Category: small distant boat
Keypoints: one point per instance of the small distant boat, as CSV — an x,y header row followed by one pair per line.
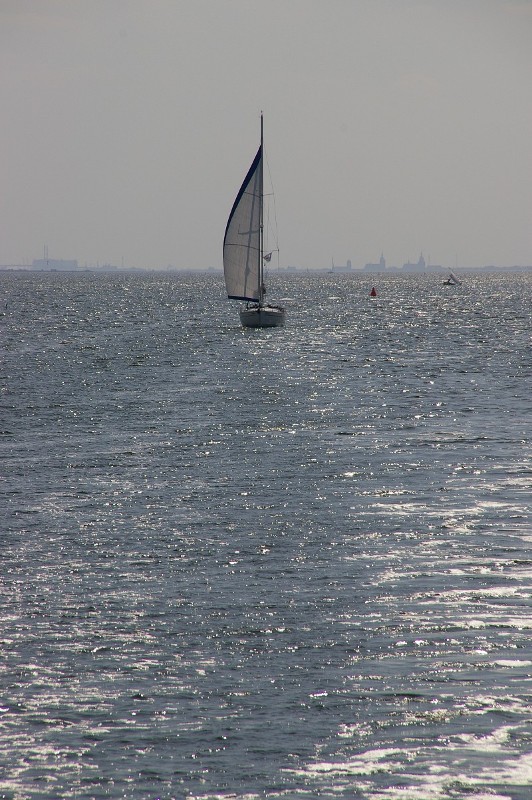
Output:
x,y
243,250
452,280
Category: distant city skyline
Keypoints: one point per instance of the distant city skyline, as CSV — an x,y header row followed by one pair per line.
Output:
x,y
72,265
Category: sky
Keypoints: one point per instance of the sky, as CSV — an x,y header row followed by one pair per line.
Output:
x,y
391,126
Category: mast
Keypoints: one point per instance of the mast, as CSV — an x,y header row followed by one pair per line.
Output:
x,y
261,212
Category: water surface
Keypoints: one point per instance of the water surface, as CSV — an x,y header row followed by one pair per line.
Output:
x,y
270,563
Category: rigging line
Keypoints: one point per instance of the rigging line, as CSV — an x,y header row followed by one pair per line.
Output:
x,y
275,230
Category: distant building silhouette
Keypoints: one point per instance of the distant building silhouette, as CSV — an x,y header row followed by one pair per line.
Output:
x,y
54,264
419,267
340,267
380,267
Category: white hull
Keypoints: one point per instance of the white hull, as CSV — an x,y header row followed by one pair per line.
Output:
x,y
262,317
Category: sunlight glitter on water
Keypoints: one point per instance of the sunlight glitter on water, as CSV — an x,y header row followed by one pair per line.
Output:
x,y
265,564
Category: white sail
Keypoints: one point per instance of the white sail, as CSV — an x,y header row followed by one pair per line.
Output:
x,y
242,240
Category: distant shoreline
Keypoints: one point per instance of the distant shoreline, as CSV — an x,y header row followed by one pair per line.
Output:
x,y
392,271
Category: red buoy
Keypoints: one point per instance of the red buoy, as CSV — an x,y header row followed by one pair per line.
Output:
x,y
373,292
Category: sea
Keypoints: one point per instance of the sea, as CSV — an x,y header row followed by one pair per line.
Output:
x,y
259,564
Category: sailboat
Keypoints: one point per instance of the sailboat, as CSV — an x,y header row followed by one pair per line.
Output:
x,y
243,250
452,280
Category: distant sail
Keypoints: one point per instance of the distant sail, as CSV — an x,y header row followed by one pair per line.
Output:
x,y
452,280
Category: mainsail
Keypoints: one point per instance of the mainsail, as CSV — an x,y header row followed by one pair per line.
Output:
x,y
242,240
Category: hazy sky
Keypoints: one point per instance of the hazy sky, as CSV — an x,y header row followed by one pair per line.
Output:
x,y
394,126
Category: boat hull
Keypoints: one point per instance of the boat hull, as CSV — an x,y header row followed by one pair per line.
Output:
x,y
262,317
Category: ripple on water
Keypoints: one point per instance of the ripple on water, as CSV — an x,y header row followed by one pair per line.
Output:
x,y
248,563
